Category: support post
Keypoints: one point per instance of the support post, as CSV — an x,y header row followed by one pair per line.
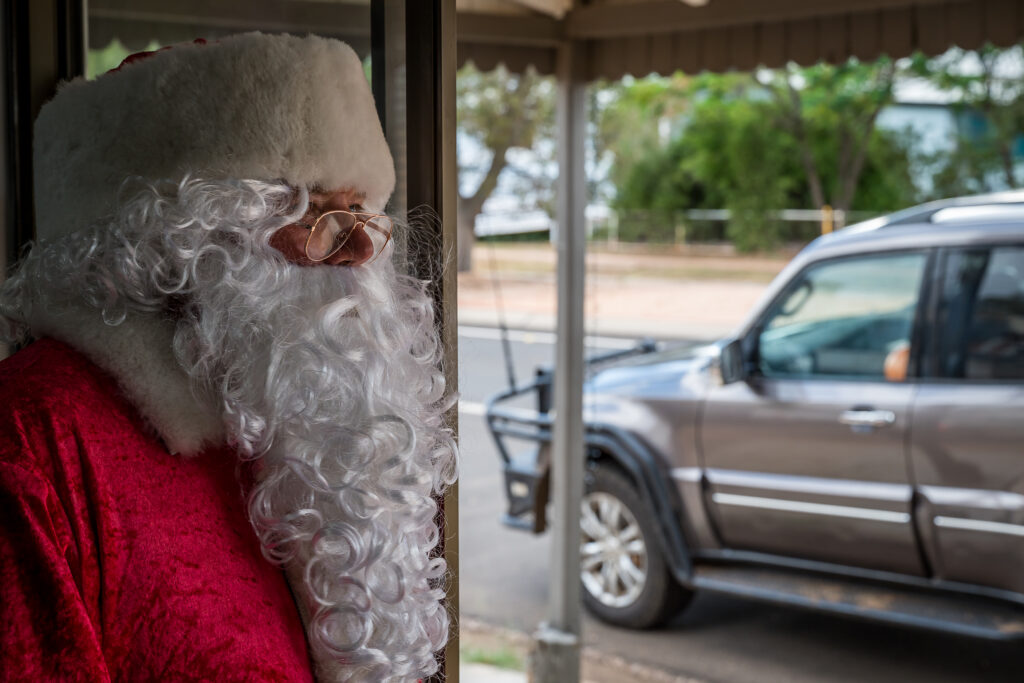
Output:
x,y
556,653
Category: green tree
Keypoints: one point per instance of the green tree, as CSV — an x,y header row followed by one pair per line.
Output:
x,y
789,139
740,159
833,108
633,118
887,181
725,153
499,111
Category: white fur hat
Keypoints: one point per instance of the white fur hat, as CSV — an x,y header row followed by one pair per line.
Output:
x,y
250,106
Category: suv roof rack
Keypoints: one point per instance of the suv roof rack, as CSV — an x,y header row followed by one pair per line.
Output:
x,y
985,207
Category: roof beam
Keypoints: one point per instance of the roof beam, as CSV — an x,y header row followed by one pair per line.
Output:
x,y
317,17
492,29
665,16
240,15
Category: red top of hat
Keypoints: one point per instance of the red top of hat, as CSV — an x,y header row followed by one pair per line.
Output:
x,y
146,54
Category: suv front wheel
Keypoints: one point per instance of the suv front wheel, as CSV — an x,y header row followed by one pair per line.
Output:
x,y
626,580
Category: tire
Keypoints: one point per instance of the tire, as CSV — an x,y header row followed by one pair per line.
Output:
x,y
626,581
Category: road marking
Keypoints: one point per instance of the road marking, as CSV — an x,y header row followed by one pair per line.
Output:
x,y
529,337
471,408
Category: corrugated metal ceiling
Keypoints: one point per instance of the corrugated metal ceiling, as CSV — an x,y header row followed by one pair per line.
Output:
x,y
639,37
620,37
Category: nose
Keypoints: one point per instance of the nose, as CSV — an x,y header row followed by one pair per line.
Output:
x,y
357,250
291,241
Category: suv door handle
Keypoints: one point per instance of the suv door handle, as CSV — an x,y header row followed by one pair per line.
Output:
x,y
867,418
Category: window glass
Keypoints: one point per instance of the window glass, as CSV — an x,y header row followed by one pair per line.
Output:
x,y
847,318
117,29
981,314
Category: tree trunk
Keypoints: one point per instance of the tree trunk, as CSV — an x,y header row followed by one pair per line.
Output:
x,y
796,119
850,175
813,179
858,143
470,207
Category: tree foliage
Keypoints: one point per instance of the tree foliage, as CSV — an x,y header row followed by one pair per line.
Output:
x,y
796,138
833,109
628,119
499,112
755,143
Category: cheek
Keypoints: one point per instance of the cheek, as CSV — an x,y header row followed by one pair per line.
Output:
x,y
291,242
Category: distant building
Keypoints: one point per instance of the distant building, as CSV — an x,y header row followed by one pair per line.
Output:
x,y
936,123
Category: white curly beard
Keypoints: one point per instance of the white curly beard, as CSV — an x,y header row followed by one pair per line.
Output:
x,y
328,378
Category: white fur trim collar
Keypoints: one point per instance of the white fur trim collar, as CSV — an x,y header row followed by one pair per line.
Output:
x,y
138,354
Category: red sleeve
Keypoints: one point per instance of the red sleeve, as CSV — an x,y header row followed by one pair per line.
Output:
x,y
46,633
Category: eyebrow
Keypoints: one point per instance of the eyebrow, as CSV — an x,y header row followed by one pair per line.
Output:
x,y
317,189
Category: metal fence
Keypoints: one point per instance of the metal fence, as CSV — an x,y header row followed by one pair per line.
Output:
x,y
669,227
711,225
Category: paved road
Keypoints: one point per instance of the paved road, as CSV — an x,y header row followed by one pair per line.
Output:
x,y
504,581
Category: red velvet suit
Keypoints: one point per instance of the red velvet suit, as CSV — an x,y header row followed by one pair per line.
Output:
x,y
118,560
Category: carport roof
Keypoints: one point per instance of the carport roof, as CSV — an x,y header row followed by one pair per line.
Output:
x,y
618,36
642,36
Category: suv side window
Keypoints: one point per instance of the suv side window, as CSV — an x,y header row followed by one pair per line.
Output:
x,y
849,318
981,314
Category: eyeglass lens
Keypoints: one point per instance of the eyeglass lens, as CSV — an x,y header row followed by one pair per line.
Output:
x,y
332,230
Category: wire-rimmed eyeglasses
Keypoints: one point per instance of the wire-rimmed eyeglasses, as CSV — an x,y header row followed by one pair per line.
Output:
x,y
332,229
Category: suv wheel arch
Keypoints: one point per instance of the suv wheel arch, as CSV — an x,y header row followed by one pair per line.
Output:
x,y
615,447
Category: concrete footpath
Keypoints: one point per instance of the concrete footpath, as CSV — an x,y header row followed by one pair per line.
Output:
x,y
670,294
484,641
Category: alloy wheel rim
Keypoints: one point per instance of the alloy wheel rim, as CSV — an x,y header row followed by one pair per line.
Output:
x,y
613,555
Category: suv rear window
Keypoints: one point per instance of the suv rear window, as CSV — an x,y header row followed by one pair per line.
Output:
x,y
981,314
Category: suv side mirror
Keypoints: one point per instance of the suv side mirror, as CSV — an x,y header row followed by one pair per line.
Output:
x,y
731,364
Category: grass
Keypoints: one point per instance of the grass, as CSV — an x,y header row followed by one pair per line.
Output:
x,y
503,657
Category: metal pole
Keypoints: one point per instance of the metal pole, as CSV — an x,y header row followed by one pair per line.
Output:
x,y
826,219
556,655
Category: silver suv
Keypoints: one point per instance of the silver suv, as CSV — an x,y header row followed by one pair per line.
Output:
x,y
857,447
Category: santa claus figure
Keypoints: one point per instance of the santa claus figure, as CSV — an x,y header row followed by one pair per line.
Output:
x,y
222,438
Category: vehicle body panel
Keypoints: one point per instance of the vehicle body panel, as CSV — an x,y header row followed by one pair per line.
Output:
x,y
658,395
785,476
968,458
